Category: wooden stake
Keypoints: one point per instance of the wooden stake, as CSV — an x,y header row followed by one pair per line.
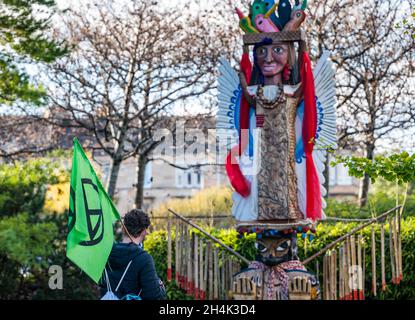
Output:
x,y
359,267
347,270
354,265
202,272
196,267
382,256
391,250
184,261
374,291
396,250
210,261
341,273
223,279
364,268
334,275
177,252
169,271
325,279
396,246
215,274
206,270
189,264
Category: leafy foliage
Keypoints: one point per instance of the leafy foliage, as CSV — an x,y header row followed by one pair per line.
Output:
x,y
397,167
24,36
30,240
23,185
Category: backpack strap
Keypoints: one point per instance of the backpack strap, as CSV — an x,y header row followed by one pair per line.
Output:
x,y
107,280
122,278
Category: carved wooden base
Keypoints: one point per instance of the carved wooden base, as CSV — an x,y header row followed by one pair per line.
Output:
x,y
275,284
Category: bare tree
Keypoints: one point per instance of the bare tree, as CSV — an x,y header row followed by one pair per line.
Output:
x,y
375,66
130,64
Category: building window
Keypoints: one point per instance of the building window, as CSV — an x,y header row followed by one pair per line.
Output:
x,y
191,178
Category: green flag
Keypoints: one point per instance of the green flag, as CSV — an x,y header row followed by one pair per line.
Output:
x,y
91,218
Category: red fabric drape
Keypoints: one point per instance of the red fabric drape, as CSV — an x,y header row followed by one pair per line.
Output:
x,y
237,179
314,204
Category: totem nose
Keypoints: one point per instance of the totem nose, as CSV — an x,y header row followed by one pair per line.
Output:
x,y
269,57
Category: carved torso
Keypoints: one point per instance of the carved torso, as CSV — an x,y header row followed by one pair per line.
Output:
x,y
277,185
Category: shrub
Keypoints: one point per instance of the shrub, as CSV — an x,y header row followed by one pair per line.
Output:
x,y
207,202
24,184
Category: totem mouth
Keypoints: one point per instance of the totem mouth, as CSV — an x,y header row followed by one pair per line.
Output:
x,y
273,261
270,68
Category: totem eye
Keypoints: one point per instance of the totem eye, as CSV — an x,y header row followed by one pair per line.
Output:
x,y
298,14
260,247
262,52
257,7
278,50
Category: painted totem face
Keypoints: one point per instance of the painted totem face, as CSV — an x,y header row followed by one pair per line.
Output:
x,y
275,250
271,60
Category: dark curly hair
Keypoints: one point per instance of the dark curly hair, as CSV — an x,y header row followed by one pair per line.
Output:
x,y
136,221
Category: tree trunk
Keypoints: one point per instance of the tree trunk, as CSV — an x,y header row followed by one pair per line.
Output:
x,y
364,185
115,169
327,176
139,197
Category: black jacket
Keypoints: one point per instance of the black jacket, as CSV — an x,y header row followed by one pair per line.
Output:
x,y
141,275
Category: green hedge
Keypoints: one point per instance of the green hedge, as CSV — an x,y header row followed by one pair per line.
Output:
x,y
156,245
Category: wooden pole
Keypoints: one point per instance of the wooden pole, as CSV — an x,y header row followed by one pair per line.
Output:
x,y
206,271
169,271
341,272
201,269
391,250
189,262
400,273
396,250
223,279
210,260
359,267
177,251
325,282
364,268
347,269
374,291
211,237
196,267
382,256
215,274
184,257
355,230
354,262
335,275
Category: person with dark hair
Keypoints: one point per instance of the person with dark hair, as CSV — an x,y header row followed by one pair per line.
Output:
x,y
130,269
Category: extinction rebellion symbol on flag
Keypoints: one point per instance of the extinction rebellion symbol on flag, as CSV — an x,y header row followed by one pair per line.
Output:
x,y
94,217
90,191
